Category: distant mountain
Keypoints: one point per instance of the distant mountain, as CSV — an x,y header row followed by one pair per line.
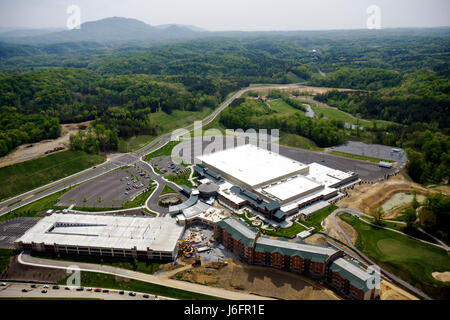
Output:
x,y
20,32
183,26
114,29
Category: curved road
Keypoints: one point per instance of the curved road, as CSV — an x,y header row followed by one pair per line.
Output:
x,y
26,259
116,161
367,260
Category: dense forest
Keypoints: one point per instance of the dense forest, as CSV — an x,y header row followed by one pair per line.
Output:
x,y
398,75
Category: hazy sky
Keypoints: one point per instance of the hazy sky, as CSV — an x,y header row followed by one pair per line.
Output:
x,y
232,14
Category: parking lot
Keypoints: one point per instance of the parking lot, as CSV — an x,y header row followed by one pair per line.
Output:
x,y
373,150
109,190
24,290
367,170
10,230
165,165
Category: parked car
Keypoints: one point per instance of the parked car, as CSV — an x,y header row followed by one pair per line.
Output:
x,y
67,288
33,286
43,291
24,290
3,284
97,290
131,293
89,289
45,287
145,296
55,287
105,290
80,289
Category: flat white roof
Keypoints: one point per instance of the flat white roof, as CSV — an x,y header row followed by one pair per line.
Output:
x,y
291,188
252,165
106,231
355,270
326,175
296,246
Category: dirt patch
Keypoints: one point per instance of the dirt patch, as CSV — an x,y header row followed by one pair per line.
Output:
x,y
442,276
331,229
264,281
443,189
303,89
31,151
317,239
367,196
389,291
17,271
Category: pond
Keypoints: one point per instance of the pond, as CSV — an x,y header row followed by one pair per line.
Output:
x,y
400,199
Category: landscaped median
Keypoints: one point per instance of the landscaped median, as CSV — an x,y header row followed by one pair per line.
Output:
x,y
412,260
359,157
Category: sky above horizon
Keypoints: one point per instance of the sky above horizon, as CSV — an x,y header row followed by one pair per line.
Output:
x,y
221,15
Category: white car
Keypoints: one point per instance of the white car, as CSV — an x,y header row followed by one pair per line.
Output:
x,y
3,284
45,287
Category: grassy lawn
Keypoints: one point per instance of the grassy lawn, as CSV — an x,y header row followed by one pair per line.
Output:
x,y
412,260
5,254
95,279
359,157
134,143
164,151
290,232
282,107
168,189
31,209
315,219
180,179
25,176
296,141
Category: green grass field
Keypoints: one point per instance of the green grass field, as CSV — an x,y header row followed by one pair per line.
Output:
x,y
359,157
134,143
315,219
296,141
412,260
290,232
5,255
95,279
28,175
180,179
31,209
167,190
282,107
164,151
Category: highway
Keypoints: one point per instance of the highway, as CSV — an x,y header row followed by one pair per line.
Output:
x,y
117,160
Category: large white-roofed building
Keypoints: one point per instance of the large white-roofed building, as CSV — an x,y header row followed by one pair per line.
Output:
x,y
104,235
269,182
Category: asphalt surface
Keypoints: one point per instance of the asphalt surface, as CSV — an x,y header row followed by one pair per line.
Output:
x,y
367,170
110,188
373,150
10,230
14,290
160,280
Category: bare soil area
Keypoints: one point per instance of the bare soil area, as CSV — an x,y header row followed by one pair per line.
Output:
x,y
303,89
17,271
367,196
264,281
442,276
30,151
389,291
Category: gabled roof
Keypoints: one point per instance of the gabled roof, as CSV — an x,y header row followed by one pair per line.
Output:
x,y
351,271
239,230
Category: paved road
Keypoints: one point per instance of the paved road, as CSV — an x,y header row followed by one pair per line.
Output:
x,y
14,290
116,162
363,257
160,280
